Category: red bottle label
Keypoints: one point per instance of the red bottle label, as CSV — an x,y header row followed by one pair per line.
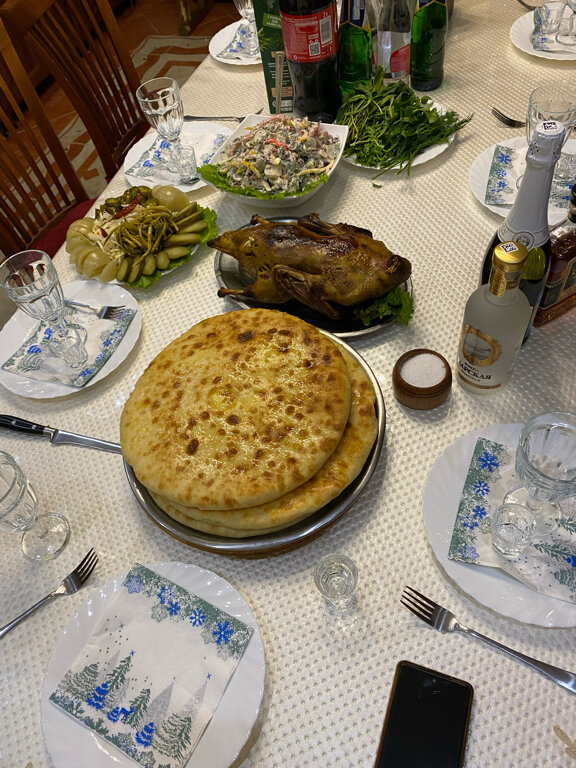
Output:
x,y
400,61
312,37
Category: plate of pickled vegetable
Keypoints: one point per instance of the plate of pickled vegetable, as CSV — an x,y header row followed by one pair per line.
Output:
x,y
139,236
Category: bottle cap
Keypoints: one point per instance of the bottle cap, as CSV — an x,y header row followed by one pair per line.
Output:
x,y
510,256
546,142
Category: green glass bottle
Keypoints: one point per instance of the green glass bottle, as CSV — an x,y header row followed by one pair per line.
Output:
x,y
354,45
429,26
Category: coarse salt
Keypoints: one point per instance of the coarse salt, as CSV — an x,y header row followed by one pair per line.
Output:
x,y
424,370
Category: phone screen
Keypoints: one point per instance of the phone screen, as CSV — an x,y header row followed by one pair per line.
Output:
x,y
426,723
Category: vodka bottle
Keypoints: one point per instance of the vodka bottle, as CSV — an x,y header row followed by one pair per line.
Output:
x,y
494,322
527,221
393,26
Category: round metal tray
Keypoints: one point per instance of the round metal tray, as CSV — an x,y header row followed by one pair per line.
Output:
x,y
279,541
230,274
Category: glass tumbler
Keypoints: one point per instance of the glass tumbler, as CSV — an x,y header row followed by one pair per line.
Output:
x,y
43,536
336,577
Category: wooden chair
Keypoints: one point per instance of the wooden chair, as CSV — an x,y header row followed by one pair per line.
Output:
x,y
40,189
81,46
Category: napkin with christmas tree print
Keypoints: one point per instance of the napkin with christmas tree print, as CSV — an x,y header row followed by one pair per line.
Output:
x,y
548,564
151,675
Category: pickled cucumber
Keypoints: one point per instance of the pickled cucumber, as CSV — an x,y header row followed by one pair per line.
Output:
x,y
123,269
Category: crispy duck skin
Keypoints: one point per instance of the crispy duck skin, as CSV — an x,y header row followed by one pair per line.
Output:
x,y
316,263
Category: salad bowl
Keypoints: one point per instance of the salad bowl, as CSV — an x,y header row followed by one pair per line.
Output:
x,y
258,197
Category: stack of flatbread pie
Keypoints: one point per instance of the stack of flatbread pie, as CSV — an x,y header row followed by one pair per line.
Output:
x,y
248,423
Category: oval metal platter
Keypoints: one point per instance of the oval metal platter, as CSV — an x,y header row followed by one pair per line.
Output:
x,y
288,538
230,274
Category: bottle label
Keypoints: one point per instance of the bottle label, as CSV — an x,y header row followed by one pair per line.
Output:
x,y
400,62
312,37
424,3
478,348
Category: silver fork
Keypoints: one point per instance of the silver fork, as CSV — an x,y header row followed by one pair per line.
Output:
x,y
218,117
509,121
443,620
527,5
102,312
69,585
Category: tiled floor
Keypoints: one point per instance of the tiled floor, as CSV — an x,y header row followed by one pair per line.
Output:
x,y
139,20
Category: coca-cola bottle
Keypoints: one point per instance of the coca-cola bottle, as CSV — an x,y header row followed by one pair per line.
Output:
x,y
310,32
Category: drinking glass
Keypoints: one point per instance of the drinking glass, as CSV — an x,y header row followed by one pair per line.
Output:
x,y
336,577
552,101
566,34
250,46
30,279
546,467
161,103
44,536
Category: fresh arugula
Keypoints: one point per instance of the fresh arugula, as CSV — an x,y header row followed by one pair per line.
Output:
x,y
396,303
389,125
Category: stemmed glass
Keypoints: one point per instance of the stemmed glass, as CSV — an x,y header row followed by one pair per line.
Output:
x,y
249,31
161,104
546,467
29,278
44,536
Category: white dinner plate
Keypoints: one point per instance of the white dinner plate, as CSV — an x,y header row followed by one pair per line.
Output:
x,y
204,136
423,157
520,33
20,325
221,40
489,586
480,171
71,745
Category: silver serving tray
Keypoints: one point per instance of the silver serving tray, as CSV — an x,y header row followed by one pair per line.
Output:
x,y
280,541
229,274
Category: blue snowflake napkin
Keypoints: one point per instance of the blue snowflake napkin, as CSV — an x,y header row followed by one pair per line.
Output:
x,y
507,167
154,670
35,359
547,565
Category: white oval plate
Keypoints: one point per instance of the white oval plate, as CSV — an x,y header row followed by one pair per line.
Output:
x,y
489,586
423,157
520,33
20,325
201,135
480,170
221,40
71,745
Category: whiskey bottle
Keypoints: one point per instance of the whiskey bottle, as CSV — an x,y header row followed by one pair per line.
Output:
x,y
494,322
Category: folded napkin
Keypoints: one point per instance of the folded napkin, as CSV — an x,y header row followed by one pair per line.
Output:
x,y
507,167
238,47
155,161
546,565
34,358
151,675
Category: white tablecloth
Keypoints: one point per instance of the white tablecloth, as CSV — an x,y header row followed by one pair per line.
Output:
x,y
327,690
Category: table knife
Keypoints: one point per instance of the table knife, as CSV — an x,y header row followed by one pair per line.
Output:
x,y
57,436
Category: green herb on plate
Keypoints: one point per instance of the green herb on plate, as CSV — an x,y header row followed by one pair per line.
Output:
x,y
396,303
389,125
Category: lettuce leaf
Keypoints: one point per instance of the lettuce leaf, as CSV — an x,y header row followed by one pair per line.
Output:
x,y
212,175
145,281
396,303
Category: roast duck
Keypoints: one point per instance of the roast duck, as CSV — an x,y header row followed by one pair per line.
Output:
x,y
325,266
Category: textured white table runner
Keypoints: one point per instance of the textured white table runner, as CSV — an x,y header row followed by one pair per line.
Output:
x,y
327,689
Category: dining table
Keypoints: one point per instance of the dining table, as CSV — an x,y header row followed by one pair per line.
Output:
x,y
327,681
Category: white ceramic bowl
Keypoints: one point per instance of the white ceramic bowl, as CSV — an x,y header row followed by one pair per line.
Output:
x,y
340,131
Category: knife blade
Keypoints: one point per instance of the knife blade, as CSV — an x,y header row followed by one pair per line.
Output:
x,y
57,436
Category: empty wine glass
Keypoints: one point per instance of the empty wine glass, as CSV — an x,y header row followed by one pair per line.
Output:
x,y
30,280
546,467
43,536
161,104
248,31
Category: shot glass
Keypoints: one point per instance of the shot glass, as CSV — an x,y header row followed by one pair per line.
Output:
x,y
513,526
548,16
336,577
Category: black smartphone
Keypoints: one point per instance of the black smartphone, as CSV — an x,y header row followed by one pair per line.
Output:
x,y
427,720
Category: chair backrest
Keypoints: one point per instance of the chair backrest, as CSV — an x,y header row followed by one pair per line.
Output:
x,y
80,44
38,184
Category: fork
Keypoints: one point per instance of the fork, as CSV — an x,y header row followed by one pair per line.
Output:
x,y
527,5
443,620
509,121
69,585
102,312
218,117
